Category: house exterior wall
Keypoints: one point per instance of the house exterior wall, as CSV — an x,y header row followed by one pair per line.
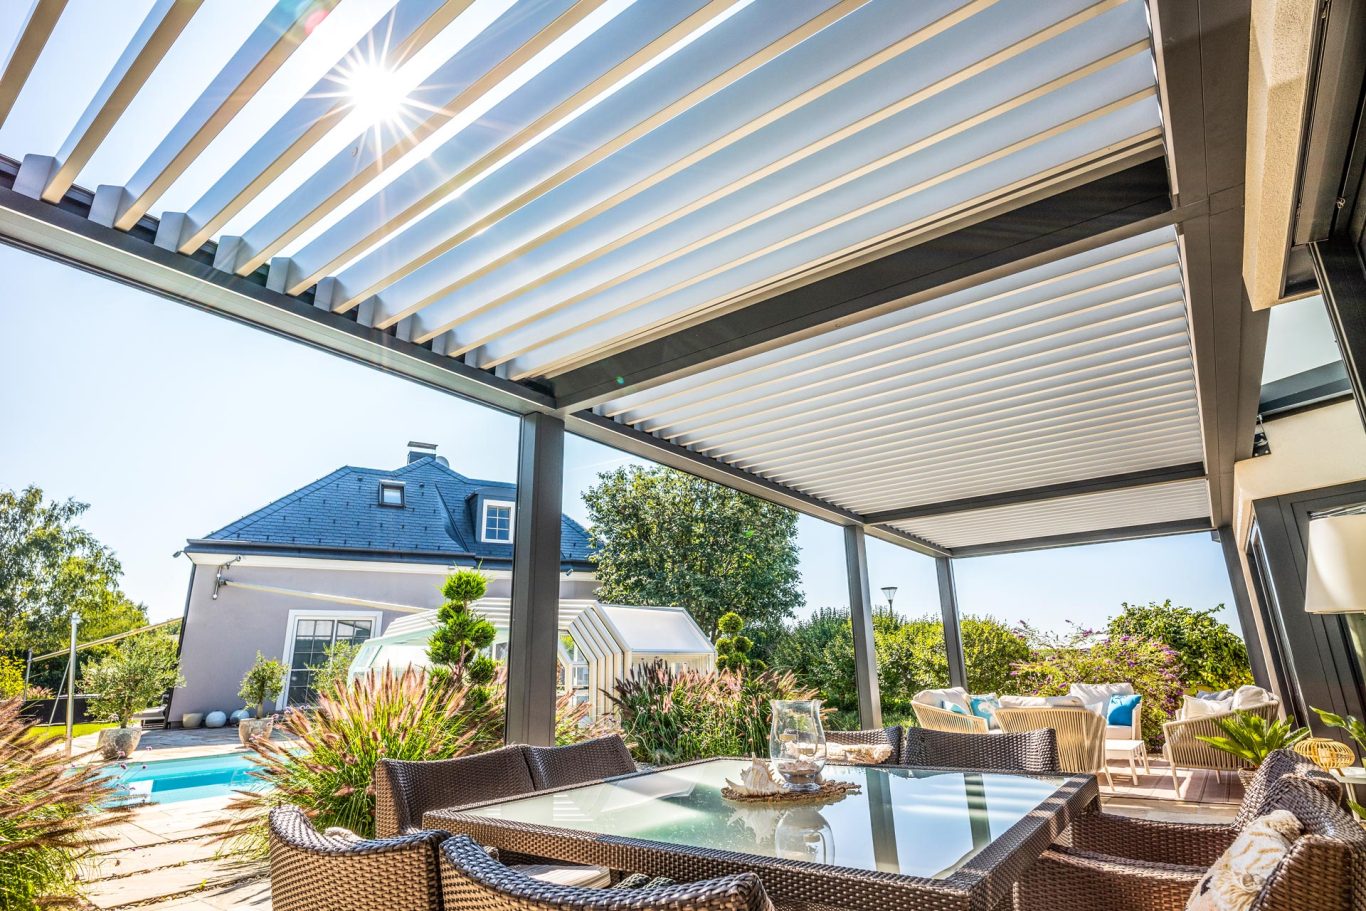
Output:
x,y
1320,447
221,637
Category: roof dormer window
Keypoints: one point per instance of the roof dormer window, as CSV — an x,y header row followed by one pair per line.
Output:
x,y
391,493
495,523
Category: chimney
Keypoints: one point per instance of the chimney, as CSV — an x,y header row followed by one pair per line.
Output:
x,y
417,450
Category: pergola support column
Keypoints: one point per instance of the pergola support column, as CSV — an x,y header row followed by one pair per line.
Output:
x,y
535,582
861,616
1256,655
953,633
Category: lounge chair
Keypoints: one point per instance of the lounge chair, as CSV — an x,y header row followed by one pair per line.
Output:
x,y
1023,751
471,879
1190,843
1324,870
889,736
1184,750
930,713
1080,735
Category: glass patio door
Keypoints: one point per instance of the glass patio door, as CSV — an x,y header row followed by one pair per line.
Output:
x,y
312,638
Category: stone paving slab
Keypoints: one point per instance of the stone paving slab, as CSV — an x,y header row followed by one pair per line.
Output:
x,y
171,882
252,895
134,861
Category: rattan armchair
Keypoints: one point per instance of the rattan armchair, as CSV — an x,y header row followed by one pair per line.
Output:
x,y
930,714
1324,870
1023,751
310,871
591,760
404,791
1080,735
1190,843
888,736
1184,750
471,880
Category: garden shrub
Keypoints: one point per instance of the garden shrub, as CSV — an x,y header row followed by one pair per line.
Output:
x,y
334,671
50,814
1086,656
1213,656
11,678
672,716
327,768
135,677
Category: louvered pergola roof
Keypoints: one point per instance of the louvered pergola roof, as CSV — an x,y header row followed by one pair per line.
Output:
x,y
964,273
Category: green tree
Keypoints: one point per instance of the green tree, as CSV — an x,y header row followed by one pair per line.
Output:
x,y
663,537
1213,657
262,683
50,567
142,669
459,640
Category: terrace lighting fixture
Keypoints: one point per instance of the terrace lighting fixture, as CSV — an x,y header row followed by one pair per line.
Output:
x,y
889,592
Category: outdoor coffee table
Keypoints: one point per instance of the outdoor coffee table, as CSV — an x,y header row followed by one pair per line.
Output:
x,y
913,838
1131,751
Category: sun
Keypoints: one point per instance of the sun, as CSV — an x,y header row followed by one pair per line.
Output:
x,y
375,91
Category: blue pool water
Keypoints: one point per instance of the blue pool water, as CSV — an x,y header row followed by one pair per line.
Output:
x,y
174,780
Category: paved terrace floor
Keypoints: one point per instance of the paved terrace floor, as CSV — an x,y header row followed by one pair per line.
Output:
x,y
164,859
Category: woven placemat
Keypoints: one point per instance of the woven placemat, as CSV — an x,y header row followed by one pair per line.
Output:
x,y
828,792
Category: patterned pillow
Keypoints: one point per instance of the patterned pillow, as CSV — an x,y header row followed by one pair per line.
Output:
x,y
1238,876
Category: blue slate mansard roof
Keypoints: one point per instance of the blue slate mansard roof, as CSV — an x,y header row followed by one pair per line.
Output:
x,y
340,516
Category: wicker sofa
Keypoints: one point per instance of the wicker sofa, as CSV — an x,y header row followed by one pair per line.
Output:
x,y
1184,749
928,706
1324,870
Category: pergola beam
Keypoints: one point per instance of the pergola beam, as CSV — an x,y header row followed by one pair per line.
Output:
x,y
861,619
42,19
1342,276
1103,210
1074,539
953,632
1047,492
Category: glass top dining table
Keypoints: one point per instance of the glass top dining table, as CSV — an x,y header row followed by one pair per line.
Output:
x,y
925,826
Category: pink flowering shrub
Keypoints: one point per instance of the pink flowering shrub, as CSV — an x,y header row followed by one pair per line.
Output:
x,y
1088,656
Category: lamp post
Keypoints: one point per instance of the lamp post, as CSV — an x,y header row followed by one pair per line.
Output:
x,y
889,592
71,684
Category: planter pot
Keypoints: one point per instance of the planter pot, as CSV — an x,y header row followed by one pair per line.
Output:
x,y
118,743
249,729
191,719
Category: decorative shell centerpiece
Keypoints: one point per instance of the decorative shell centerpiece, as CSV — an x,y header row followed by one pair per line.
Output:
x,y
756,780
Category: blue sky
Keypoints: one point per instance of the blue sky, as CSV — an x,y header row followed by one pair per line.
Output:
x,y
172,423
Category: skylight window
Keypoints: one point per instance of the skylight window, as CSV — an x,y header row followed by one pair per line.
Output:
x,y
495,526
391,493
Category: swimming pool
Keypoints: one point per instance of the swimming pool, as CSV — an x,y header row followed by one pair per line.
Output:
x,y
174,780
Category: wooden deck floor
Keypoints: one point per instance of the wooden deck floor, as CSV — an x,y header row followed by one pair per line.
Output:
x,y
1197,786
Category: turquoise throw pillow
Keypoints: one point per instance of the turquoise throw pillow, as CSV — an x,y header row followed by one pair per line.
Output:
x,y
1121,710
984,706
954,707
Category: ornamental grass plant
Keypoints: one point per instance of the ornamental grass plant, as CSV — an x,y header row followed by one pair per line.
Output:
x,y
51,816
669,716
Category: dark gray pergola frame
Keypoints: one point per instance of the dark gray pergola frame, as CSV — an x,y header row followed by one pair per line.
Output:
x,y
1197,44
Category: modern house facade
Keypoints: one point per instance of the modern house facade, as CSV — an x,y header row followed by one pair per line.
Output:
x,y
340,559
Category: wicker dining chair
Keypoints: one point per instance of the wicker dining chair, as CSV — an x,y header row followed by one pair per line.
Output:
x,y
1324,871
404,791
1022,751
311,871
471,880
888,736
590,760
1080,735
1193,843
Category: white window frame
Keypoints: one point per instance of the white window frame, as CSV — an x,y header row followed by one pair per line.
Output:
x,y
402,494
484,521
293,624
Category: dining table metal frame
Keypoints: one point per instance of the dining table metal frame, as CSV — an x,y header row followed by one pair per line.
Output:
x,y
984,882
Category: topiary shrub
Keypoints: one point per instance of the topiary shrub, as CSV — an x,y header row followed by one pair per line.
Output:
x,y
732,648
458,643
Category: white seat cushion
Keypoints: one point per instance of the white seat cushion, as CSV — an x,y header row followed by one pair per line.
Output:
x,y
954,695
1038,702
1119,732
1240,873
1099,692
1246,697
567,875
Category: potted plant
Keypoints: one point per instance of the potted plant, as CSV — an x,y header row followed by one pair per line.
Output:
x,y
1252,738
262,683
126,682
